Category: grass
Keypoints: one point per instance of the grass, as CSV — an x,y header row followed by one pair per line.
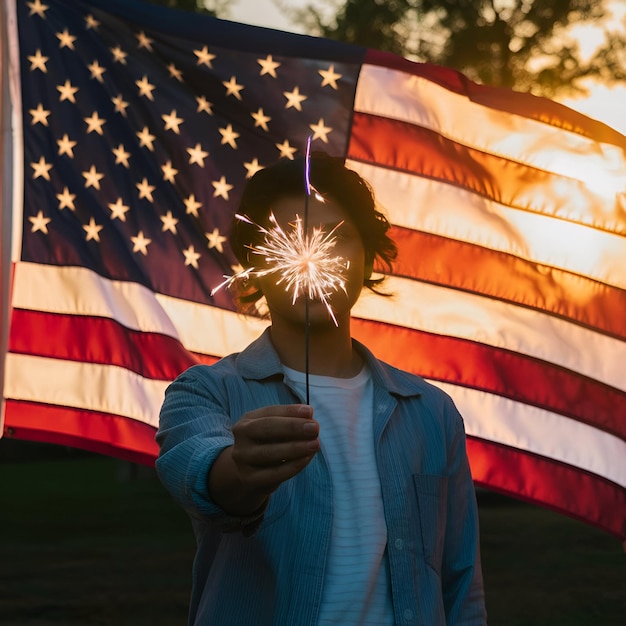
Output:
x,y
81,546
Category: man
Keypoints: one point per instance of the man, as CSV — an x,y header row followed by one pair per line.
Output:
x,y
357,508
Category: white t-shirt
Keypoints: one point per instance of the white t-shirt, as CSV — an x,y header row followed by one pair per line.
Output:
x,y
356,585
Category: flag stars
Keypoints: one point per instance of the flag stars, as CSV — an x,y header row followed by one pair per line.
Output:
x,y
39,115
66,146
204,57
221,188
215,240
204,105
192,205
39,223
146,140
37,8
286,150
141,243
320,131
330,77
268,66
172,122
294,99
145,190
96,70
118,210
119,56
233,87
120,104
67,92
92,178
191,257
169,222
252,167
143,41
121,156
66,199
91,22
66,40
38,62
261,120
145,88
93,230
41,169
95,123
197,155
229,136
169,172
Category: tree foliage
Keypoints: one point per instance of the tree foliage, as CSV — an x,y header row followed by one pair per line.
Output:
x,y
520,44
210,7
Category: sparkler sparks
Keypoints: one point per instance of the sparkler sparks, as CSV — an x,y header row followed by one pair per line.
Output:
x,y
303,263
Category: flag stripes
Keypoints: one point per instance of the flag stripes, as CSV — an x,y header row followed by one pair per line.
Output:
x,y
502,372
558,486
461,265
444,209
89,429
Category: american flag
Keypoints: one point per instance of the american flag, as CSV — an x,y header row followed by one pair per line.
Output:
x,y
129,131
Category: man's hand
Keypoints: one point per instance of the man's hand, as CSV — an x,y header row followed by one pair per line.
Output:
x,y
272,444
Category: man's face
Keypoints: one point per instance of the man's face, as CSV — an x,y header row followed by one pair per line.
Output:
x,y
348,245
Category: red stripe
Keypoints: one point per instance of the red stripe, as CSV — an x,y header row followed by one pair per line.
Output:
x,y
402,146
97,340
461,265
497,371
104,433
518,103
584,496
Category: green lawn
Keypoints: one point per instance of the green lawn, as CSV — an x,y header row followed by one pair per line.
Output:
x,y
80,546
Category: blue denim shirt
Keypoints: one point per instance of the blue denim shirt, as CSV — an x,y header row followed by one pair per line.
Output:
x,y
274,574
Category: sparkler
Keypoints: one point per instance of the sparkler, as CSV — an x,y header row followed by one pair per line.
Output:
x,y
303,262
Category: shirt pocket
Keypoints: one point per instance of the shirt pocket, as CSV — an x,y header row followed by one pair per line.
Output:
x,y
432,495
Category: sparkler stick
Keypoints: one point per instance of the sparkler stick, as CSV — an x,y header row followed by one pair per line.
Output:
x,y
307,325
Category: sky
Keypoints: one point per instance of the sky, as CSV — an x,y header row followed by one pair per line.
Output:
x,y
604,103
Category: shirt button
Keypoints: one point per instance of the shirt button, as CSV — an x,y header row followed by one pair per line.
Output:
x,y
399,545
408,615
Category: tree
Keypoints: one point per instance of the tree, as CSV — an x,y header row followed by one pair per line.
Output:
x,y
520,44
210,7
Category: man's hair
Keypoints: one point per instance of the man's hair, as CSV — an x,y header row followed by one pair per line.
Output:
x,y
331,178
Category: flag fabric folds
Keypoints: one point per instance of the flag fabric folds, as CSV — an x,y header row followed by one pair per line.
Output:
x,y
129,131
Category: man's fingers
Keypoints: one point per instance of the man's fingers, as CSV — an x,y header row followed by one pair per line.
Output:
x,y
276,454
271,429
282,410
267,479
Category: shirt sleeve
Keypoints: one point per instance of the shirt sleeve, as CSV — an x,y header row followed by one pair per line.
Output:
x,y
194,428
461,577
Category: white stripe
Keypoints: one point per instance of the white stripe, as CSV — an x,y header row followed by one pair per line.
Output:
x,y
80,291
408,98
207,330
554,436
449,312
89,386
442,209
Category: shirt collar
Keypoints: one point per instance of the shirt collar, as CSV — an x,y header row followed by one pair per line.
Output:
x,y
260,360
